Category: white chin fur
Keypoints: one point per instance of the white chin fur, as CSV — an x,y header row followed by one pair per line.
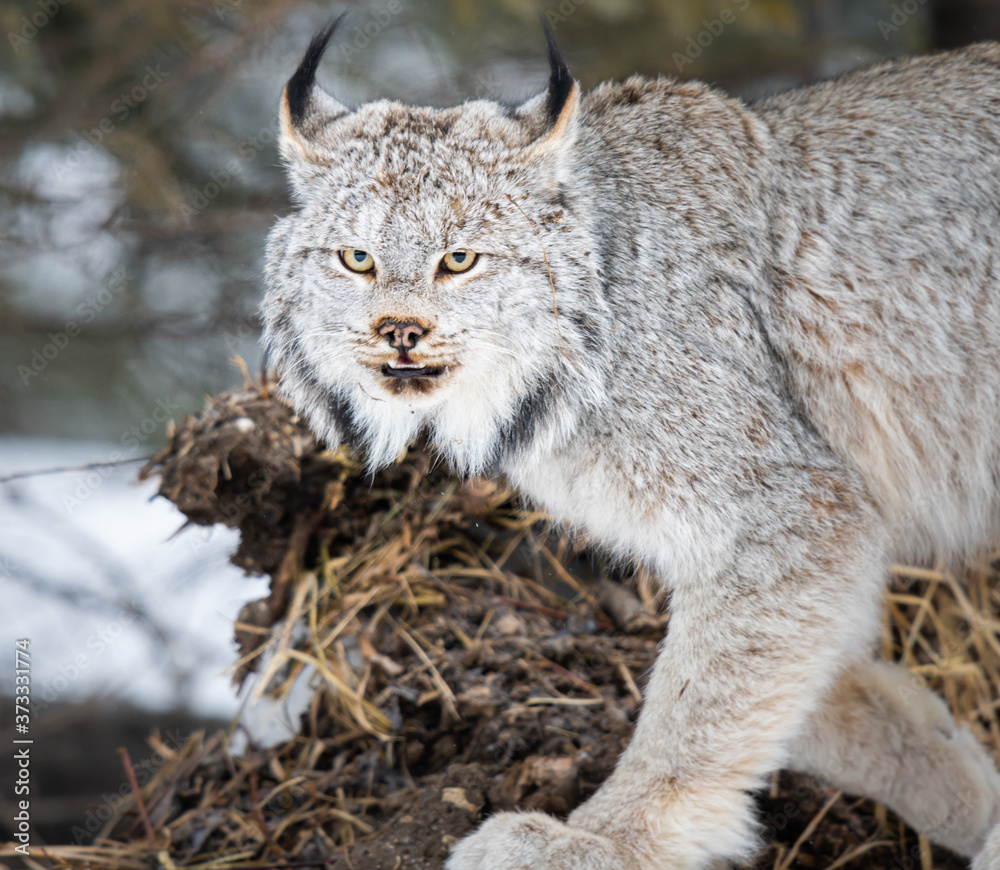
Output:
x,y
463,416
387,428
466,427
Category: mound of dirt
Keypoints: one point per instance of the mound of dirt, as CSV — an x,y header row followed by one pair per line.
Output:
x,y
465,659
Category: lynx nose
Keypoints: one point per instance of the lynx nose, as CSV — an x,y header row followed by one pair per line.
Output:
x,y
402,335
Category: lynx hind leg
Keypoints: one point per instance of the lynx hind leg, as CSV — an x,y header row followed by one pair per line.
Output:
x,y
881,735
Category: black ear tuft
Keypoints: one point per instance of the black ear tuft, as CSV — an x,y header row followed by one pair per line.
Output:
x,y
560,81
300,85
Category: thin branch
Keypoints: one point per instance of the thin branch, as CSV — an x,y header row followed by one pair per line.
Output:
x,y
62,469
140,805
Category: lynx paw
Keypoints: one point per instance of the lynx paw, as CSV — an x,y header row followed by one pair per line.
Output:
x,y
535,841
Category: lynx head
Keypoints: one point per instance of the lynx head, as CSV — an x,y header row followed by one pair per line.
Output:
x,y
436,275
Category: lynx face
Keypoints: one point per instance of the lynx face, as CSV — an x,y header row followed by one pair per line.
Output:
x,y
434,277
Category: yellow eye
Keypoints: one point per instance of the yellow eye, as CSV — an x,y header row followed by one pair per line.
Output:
x,y
458,261
357,261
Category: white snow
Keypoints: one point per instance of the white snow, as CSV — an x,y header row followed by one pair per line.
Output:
x,y
114,604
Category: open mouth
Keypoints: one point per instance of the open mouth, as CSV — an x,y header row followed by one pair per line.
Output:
x,y
411,370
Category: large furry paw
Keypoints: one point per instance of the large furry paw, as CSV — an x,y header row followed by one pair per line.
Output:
x,y
535,841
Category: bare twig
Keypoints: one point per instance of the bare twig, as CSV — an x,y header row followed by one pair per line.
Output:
x,y
62,469
808,832
140,805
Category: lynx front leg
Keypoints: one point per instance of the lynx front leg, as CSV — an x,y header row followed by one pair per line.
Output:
x,y
749,656
880,734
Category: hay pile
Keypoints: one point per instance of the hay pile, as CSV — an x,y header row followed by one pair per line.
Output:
x,y
466,660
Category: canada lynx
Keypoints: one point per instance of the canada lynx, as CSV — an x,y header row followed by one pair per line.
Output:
x,y
756,348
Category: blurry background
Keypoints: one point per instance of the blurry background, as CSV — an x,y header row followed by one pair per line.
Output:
x,y
138,177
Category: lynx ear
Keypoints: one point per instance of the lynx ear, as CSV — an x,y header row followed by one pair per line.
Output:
x,y
305,106
558,107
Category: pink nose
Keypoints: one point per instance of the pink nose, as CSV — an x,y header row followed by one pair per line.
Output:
x,y
401,334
